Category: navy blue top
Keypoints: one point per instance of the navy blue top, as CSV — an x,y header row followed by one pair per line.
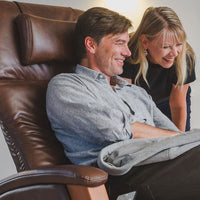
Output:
x,y
160,79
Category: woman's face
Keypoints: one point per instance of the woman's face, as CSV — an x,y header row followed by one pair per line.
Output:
x,y
163,50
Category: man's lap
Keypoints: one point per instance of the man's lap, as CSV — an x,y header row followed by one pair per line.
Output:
x,y
182,171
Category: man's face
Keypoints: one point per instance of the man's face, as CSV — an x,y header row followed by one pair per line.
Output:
x,y
111,53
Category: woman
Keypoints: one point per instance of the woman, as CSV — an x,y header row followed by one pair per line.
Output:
x,y
162,62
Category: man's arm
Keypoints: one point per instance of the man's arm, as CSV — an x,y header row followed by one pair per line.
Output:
x,y
164,127
141,130
73,108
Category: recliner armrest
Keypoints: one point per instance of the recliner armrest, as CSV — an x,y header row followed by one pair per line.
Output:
x,y
65,174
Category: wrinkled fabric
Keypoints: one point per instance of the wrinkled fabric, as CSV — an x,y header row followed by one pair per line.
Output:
x,y
117,159
87,114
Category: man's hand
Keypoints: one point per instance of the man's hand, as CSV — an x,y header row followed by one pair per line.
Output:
x,y
141,130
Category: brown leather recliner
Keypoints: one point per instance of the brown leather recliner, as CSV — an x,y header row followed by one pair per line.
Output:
x,y
36,43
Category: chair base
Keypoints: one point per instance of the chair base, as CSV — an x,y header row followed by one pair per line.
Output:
x,y
78,192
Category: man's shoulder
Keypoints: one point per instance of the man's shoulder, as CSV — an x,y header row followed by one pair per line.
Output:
x,y
139,88
64,78
64,86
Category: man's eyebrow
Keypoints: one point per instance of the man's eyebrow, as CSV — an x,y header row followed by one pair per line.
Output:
x,y
120,40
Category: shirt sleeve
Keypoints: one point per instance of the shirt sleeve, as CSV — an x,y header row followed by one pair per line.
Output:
x,y
73,107
162,121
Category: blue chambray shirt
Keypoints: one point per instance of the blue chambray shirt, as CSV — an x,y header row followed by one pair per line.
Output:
x,y
86,114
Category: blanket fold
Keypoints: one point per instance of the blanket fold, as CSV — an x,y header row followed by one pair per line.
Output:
x,y
118,158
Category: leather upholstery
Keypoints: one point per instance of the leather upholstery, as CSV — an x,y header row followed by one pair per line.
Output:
x,y
32,51
9,39
25,108
44,40
25,94
50,192
57,174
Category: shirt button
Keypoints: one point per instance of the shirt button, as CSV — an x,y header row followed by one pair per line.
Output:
x,y
100,76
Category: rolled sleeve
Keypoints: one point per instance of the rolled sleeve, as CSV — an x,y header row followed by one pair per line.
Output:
x,y
162,121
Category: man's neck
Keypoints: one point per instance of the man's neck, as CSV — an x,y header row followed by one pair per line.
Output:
x,y
85,62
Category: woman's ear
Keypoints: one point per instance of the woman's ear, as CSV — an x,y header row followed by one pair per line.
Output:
x,y
90,45
144,41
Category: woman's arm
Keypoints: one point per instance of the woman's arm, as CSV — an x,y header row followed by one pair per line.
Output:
x,y
178,105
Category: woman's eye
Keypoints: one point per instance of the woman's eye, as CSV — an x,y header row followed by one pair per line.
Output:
x,y
180,44
165,47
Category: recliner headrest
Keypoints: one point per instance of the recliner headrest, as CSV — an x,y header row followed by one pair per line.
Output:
x,y
43,40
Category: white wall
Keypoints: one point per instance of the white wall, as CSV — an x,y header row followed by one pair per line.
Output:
x,y
189,14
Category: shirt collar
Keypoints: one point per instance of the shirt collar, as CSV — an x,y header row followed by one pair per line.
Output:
x,y
115,80
89,72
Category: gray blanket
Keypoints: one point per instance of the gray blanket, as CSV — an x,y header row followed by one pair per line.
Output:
x,y
118,158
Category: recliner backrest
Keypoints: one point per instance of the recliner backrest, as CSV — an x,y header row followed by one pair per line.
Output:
x,y
32,51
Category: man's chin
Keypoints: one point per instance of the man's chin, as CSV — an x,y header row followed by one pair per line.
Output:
x,y
120,71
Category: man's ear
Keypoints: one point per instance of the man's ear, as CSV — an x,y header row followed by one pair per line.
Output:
x,y
144,41
90,44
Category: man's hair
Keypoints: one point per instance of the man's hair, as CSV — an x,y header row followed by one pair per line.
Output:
x,y
98,22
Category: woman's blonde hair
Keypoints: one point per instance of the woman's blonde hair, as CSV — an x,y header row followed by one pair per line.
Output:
x,y
157,21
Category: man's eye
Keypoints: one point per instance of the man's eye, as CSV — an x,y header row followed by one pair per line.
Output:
x,y
119,43
165,47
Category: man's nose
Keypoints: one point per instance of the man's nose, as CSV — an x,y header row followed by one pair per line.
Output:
x,y
127,52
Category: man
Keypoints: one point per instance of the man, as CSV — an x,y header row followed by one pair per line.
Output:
x,y
93,107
